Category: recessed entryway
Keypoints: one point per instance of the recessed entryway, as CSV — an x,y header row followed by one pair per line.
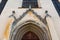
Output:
x,y
30,31
30,36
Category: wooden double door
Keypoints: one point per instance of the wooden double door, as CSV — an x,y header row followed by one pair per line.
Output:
x,y
30,36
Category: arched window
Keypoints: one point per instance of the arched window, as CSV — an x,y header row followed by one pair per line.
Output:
x,y
57,5
32,3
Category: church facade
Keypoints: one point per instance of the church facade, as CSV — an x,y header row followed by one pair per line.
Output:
x,y
30,20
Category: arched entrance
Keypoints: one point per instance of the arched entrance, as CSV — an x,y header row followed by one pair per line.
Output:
x,y
30,36
30,31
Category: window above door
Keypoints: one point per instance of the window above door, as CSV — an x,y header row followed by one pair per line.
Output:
x,y
32,3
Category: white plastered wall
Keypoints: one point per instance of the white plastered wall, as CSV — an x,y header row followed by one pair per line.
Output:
x,y
48,5
14,4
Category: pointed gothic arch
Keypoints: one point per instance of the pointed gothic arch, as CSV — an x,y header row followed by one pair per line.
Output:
x,y
18,32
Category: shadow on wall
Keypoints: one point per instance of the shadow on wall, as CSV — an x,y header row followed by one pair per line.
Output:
x,y
57,5
2,5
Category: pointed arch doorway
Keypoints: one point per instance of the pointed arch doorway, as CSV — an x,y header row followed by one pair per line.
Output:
x,y
30,36
30,30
